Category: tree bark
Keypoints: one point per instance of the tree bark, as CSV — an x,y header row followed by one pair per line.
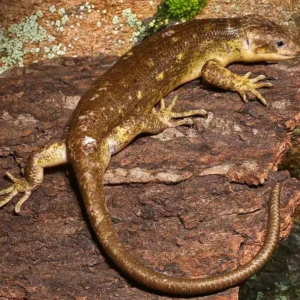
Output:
x,y
191,201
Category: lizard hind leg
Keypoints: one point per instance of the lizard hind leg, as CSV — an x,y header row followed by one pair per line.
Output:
x,y
48,156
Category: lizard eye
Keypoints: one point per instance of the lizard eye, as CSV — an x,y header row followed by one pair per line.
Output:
x,y
279,43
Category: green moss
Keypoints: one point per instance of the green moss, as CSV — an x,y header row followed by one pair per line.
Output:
x,y
184,9
178,10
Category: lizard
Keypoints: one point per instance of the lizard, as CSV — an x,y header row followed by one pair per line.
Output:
x,y
121,104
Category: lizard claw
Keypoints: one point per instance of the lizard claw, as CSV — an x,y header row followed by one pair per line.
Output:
x,y
11,177
50,155
248,84
247,75
244,96
257,78
19,186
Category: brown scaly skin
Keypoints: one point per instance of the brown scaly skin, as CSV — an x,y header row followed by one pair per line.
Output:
x,y
119,106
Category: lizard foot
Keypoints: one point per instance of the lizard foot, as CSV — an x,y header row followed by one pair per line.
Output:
x,y
166,114
19,186
247,84
48,156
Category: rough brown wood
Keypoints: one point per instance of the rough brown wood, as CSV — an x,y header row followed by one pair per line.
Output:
x,y
189,202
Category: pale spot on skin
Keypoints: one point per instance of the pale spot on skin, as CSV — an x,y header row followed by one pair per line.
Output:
x,y
88,140
128,54
168,33
87,116
150,63
87,175
83,128
102,89
179,56
112,146
95,96
160,76
139,95
124,83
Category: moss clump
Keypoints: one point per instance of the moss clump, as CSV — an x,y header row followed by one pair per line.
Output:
x,y
178,10
183,9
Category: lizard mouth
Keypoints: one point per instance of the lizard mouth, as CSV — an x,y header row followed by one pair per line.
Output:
x,y
287,54
277,56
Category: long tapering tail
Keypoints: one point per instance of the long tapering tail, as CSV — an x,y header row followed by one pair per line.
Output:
x,y
93,195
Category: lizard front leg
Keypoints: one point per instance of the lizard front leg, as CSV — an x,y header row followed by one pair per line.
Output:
x,y
214,73
167,118
48,156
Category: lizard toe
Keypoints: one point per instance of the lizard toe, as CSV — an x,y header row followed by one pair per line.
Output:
x,y
19,186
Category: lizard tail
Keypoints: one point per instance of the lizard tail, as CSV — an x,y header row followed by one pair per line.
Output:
x,y
92,191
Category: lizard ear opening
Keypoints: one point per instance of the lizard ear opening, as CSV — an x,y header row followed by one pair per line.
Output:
x,y
248,44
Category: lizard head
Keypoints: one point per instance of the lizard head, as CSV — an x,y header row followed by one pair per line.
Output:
x,y
265,40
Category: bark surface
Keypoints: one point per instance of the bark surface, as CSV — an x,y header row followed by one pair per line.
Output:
x,y
191,201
